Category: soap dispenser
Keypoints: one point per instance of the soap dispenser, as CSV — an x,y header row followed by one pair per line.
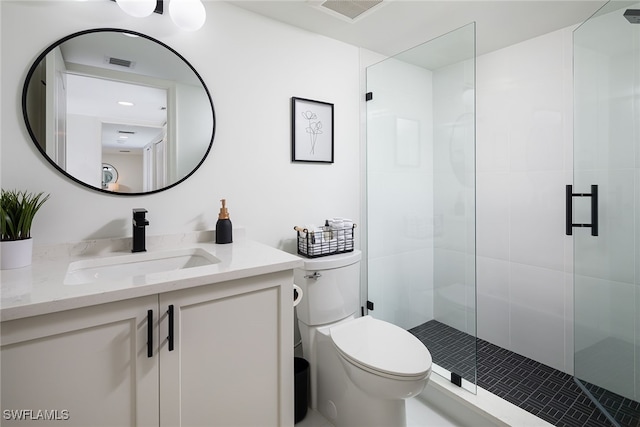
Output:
x,y
223,226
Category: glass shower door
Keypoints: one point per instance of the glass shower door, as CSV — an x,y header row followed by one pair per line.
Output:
x,y
607,161
421,198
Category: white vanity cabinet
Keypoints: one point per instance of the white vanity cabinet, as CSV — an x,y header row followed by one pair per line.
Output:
x,y
82,367
222,355
232,357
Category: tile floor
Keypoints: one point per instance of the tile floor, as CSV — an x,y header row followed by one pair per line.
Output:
x,y
549,394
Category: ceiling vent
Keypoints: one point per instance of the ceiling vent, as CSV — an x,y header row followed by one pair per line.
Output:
x,y
349,10
120,62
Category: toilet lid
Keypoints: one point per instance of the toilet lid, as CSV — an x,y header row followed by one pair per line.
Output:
x,y
382,347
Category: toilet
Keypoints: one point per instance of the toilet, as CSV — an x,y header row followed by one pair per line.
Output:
x,y
362,369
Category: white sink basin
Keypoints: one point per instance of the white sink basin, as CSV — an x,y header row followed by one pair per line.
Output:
x,y
136,265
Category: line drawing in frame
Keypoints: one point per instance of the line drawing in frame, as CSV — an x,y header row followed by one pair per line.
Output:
x,y
311,131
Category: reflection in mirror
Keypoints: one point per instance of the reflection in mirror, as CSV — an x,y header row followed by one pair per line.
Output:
x,y
116,97
109,177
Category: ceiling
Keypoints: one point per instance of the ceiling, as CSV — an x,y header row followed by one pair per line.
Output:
x,y
397,25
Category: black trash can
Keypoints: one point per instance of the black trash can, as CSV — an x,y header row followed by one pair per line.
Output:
x,y
301,387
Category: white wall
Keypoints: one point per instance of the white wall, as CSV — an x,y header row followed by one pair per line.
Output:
x,y
252,67
524,161
84,159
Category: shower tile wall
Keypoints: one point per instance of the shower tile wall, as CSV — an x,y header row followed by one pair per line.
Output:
x,y
524,161
454,197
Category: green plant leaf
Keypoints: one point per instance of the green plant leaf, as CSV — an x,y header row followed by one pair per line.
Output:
x,y
17,210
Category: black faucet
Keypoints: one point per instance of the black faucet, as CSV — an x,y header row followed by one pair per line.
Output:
x,y
139,223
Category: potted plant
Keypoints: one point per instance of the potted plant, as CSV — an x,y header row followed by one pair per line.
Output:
x,y
17,210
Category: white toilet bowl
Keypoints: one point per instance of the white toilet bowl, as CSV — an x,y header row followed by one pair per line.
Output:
x,y
357,383
362,369
382,359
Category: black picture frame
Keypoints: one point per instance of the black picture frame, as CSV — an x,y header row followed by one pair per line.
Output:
x,y
311,131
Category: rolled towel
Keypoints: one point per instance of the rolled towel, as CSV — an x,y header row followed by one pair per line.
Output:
x,y
323,248
336,223
314,249
348,229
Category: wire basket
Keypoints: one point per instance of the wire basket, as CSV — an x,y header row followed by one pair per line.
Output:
x,y
317,243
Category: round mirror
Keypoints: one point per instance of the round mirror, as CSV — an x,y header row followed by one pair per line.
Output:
x,y
122,99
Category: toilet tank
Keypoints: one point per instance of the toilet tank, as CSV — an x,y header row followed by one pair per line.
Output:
x,y
330,286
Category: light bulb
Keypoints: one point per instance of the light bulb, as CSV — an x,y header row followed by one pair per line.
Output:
x,y
137,8
189,15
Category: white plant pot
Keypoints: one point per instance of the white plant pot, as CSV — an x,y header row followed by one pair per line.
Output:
x,y
16,253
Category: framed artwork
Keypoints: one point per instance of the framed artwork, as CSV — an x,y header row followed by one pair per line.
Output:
x,y
311,131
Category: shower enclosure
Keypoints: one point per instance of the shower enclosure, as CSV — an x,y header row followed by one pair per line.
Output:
x,y
420,263
606,200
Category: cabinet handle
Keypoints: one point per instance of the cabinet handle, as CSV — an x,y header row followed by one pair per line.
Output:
x,y
170,337
149,333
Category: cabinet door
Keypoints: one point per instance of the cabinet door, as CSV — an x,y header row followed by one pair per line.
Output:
x,y
232,362
82,367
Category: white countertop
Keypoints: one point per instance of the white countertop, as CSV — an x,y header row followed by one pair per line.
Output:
x,y
40,289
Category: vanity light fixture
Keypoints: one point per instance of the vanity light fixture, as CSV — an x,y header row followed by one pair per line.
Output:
x,y
137,8
188,15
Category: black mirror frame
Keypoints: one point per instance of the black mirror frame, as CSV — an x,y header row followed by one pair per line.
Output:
x,y
65,173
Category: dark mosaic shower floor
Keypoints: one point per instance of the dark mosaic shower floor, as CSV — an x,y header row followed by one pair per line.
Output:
x,y
547,393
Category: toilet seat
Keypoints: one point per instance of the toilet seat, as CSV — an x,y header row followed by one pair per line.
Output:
x,y
382,348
